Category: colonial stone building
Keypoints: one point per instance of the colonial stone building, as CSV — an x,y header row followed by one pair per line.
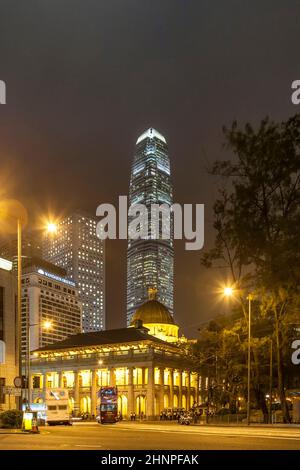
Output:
x,y
147,362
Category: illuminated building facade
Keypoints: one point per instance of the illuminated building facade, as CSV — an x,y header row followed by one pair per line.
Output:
x,y
151,374
76,247
8,332
150,262
48,297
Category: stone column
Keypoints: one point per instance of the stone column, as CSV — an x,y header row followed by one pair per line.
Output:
x,y
197,390
150,393
161,388
143,376
180,390
60,379
131,407
171,372
44,382
188,395
94,392
112,377
76,392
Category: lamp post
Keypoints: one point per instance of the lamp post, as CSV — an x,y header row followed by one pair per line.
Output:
x,y
249,298
19,303
50,228
228,292
271,381
13,213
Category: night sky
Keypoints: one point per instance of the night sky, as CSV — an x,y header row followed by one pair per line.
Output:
x,y
84,78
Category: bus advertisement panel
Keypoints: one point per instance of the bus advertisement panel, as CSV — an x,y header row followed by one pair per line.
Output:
x,y
108,405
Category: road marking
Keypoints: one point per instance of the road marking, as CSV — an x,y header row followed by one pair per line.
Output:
x,y
81,445
214,433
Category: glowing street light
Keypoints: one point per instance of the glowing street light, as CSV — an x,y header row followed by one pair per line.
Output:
x,y
47,325
51,227
228,291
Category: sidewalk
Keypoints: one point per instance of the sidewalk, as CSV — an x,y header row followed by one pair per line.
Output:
x,y
11,431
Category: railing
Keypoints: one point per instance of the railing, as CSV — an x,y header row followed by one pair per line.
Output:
x,y
121,354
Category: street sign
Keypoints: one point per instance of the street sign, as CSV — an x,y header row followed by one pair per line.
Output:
x,y
18,382
12,391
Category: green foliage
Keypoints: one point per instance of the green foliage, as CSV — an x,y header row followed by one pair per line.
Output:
x,y
256,220
11,419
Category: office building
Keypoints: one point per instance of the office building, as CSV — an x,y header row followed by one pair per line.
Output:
x,y
31,248
76,248
51,308
150,262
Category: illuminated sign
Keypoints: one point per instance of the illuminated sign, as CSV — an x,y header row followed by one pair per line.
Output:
x,y
56,278
5,264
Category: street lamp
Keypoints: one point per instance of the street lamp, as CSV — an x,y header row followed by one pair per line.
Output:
x,y
13,216
229,292
47,325
51,227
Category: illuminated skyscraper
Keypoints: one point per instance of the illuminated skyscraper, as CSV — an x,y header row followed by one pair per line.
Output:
x,y
76,248
150,262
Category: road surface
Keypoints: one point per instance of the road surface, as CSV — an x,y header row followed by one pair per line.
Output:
x,y
160,436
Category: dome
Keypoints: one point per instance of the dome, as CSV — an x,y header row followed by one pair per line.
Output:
x,y
153,311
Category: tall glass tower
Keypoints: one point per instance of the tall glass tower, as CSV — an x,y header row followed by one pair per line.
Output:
x,y
150,262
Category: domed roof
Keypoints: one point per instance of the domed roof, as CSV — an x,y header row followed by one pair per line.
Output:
x,y
153,311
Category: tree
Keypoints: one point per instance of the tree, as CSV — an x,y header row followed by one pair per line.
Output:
x,y
256,219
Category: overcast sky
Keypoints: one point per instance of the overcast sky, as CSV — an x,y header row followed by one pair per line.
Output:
x,y
86,77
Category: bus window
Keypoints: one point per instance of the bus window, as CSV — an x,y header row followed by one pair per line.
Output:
x,y
62,407
52,408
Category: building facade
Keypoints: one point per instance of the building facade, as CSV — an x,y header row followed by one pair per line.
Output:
x,y
150,262
151,374
76,247
8,333
31,248
48,298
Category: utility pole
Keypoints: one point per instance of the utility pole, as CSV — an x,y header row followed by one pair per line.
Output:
x,y
19,304
250,297
271,381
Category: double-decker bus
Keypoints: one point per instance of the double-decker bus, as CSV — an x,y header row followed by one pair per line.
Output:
x,y
57,406
108,405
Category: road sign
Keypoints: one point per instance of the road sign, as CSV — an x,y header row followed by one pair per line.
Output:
x,y
18,382
12,391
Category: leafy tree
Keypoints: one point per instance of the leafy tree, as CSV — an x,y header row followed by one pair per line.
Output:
x,y
256,218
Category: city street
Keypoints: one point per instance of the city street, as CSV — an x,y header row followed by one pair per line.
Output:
x,y
135,436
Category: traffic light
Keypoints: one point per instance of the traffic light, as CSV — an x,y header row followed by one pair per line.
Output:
x,y
36,381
